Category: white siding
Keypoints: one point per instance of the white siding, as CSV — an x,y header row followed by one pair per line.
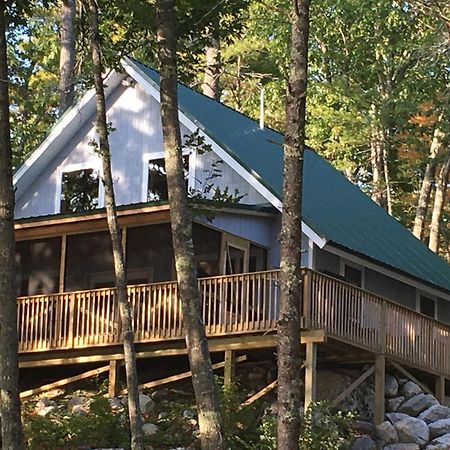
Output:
x,y
136,119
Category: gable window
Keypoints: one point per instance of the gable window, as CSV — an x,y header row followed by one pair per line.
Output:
x,y
157,181
79,190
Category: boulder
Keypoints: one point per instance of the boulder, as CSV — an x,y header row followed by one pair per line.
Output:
x,y
364,428
392,404
115,403
415,405
412,430
149,429
364,443
395,417
45,406
386,434
434,413
410,389
439,428
401,446
188,414
146,403
390,386
78,405
440,443
80,410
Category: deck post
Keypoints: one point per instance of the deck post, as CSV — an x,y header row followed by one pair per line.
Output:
x,y
310,374
440,389
380,375
229,368
113,387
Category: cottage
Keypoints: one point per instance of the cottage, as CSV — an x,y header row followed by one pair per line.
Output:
x,y
371,289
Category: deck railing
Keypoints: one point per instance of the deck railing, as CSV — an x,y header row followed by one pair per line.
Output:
x,y
243,303
365,320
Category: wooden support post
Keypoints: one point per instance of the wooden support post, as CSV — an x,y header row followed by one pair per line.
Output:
x,y
62,263
113,388
440,389
310,374
380,375
229,369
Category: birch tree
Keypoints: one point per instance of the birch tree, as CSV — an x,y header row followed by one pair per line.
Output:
x,y
67,55
11,429
288,350
206,395
103,149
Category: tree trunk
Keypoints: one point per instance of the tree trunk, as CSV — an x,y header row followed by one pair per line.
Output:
x,y
137,440
427,183
67,55
378,157
439,201
197,346
288,351
11,428
211,79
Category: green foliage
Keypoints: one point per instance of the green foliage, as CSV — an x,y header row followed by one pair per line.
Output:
x,y
100,428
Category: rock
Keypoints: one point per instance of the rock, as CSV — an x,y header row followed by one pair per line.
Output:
x,y
402,446
115,403
412,430
188,414
162,415
386,434
434,413
402,380
439,428
392,404
149,429
440,443
410,389
45,406
415,405
80,410
76,401
390,386
364,443
146,403
364,428
395,417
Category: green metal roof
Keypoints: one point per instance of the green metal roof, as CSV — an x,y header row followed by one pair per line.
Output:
x,y
332,206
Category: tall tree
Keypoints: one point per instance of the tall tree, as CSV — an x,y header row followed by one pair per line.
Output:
x,y
137,441
211,78
439,202
181,222
288,350
67,55
11,429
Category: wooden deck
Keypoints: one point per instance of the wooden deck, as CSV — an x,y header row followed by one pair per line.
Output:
x,y
244,304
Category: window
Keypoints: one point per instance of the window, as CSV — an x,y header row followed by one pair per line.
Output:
x,y
157,183
353,275
79,190
427,306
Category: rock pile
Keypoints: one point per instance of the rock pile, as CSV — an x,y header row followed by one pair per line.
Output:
x,y
414,420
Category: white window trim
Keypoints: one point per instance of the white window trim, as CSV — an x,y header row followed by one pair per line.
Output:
x,y
147,157
94,164
420,293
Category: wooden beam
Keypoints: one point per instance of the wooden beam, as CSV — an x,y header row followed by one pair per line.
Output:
x,y
353,386
310,374
63,382
113,387
411,377
313,336
380,377
62,263
259,394
440,389
181,376
229,369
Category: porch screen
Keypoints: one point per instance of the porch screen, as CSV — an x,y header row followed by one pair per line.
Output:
x,y
207,250
150,254
38,266
89,262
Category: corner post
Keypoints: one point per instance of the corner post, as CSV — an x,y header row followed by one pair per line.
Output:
x,y
310,374
230,367
440,389
380,375
113,388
